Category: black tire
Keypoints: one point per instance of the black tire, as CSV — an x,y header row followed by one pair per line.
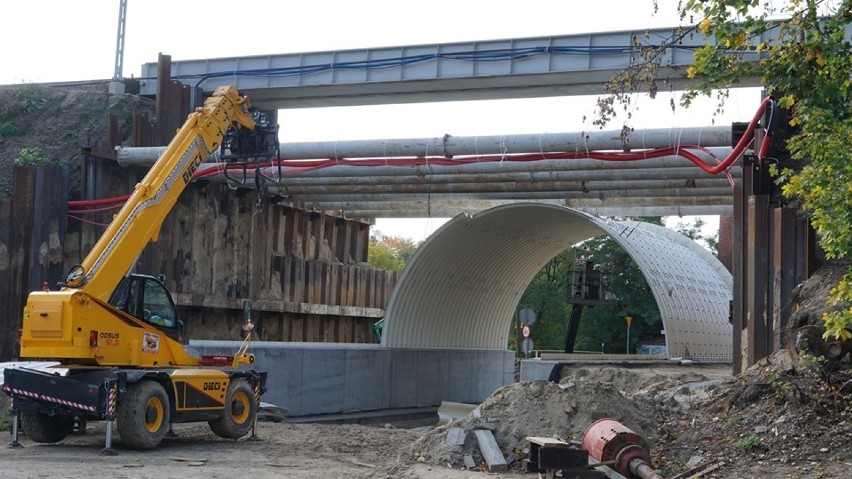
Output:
x,y
239,413
143,415
46,429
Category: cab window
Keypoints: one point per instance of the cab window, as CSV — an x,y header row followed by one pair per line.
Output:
x,y
147,299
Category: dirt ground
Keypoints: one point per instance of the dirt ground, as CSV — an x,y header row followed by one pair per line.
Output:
x,y
774,421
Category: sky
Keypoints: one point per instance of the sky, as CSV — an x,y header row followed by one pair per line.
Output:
x,y
65,40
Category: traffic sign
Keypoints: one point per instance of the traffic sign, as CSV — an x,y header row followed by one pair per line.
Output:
x,y
527,346
526,330
526,316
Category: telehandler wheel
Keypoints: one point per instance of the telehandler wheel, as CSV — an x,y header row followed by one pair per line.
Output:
x,y
43,428
240,410
143,415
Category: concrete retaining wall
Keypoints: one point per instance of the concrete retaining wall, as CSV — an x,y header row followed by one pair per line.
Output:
x,y
327,378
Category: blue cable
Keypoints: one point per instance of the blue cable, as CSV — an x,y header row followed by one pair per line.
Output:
x,y
482,56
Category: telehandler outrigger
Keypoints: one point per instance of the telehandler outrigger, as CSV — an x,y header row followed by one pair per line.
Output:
x,y
116,337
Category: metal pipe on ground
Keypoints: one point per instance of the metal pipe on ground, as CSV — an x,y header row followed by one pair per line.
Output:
x,y
449,146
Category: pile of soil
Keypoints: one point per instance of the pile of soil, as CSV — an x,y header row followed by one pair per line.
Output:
x,y
53,123
775,420
536,408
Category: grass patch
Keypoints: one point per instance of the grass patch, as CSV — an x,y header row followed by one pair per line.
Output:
x,y
7,129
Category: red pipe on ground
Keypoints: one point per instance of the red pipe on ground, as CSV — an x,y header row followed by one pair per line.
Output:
x,y
607,440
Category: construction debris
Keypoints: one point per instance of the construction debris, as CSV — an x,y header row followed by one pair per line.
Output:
x,y
490,450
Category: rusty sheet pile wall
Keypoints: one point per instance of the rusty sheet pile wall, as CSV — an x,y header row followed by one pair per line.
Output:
x,y
311,282
305,272
32,226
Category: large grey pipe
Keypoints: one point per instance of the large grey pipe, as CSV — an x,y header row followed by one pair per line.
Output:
x,y
450,146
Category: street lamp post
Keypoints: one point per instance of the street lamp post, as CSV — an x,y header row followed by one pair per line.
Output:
x,y
629,321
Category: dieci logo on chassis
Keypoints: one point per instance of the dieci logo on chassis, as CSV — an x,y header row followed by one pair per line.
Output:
x,y
193,165
150,343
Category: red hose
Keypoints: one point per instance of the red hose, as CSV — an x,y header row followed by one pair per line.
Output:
x,y
301,166
104,201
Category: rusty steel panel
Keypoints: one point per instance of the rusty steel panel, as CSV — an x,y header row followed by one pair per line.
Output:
x,y
757,280
784,280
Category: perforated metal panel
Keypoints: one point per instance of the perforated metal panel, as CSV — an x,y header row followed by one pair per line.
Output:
x,y
462,286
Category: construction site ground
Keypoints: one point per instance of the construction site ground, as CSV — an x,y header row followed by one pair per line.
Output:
x,y
773,421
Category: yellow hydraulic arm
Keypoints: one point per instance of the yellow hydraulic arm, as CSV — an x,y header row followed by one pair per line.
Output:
x,y
140,219
76,323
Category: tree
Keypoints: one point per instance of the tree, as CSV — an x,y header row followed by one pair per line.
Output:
x,y
808,67
390,252
621,277
694,231
548,296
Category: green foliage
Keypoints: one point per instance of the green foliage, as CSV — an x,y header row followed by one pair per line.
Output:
x,y
7,129
548,296
5,188
750,443
694,232
5,419
809,67
31,157
33,100
390,253
622,278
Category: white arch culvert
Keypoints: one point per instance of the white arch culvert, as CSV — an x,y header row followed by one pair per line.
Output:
x,y
462,286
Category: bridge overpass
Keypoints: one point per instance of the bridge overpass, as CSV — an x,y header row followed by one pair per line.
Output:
x,y
512,68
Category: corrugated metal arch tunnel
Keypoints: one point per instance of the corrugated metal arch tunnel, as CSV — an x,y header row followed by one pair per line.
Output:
x,y
461,288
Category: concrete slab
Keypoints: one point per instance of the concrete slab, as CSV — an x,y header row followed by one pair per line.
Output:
x,y
333,378
455,436
323,377
490,451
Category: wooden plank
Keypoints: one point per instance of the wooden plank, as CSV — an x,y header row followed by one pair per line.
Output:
x,y
362,243
347,256
784,268
329,329
739,257
371,288
284,327
757,277
350,285
8,303
298,329
313,326
344,329
335,272
290,232
547,442
319,280
362,286
326,284
299,280
490,450
319,235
